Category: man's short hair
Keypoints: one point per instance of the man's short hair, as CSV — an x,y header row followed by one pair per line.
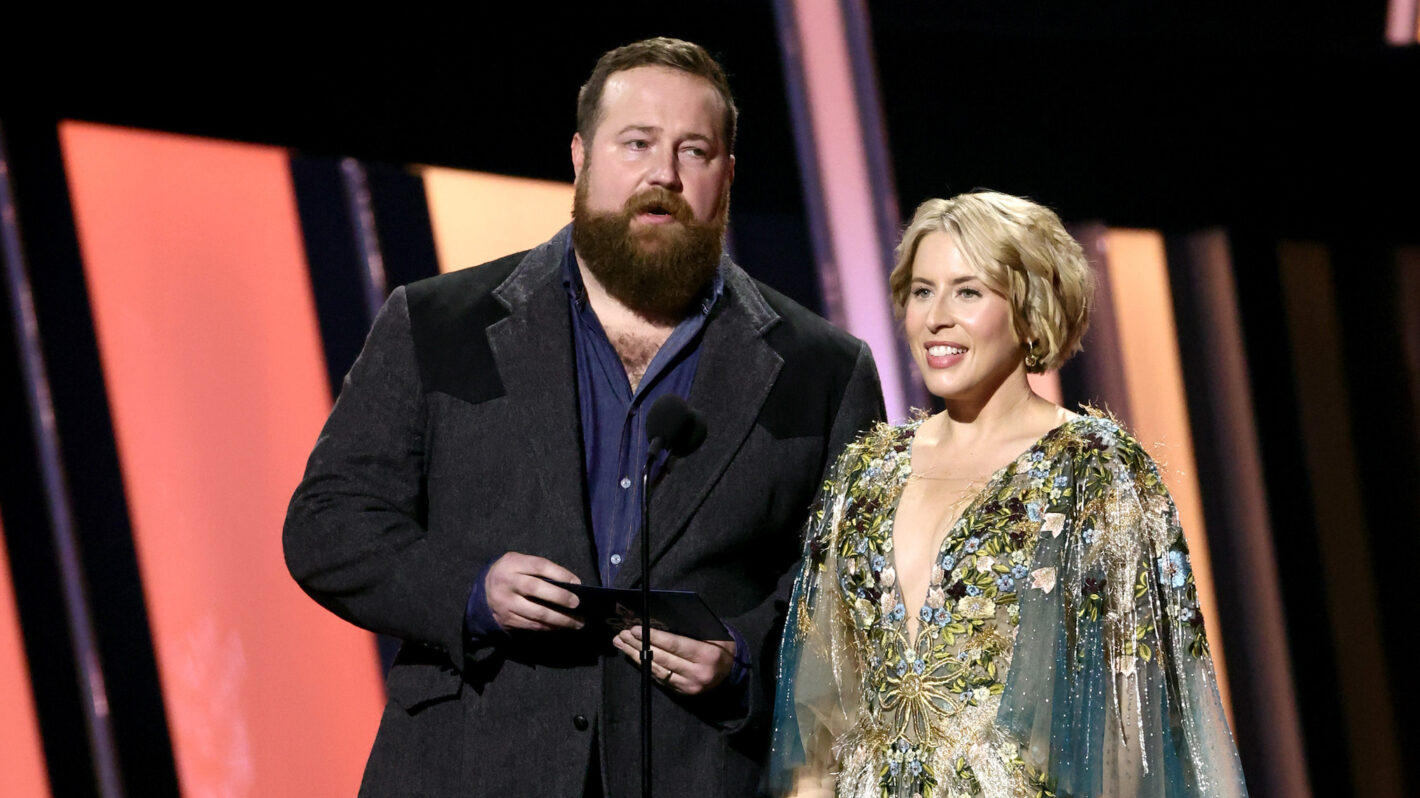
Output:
x,y
663,52
1022,250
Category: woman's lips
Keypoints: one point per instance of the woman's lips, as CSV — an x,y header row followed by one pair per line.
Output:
x,y
943,355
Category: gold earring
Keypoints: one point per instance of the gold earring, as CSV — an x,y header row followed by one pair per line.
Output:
x,y
1032,358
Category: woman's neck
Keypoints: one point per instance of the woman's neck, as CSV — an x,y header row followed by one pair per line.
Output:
x,y
1012,410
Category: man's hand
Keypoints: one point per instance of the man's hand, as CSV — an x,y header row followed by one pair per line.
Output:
x,y
683,664
512,584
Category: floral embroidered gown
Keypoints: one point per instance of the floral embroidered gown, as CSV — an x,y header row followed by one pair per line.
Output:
x,y
1060,650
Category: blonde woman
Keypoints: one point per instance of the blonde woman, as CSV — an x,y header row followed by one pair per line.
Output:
x,y
996,600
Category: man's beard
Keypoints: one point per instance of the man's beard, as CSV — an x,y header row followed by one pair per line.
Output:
x,y
657,271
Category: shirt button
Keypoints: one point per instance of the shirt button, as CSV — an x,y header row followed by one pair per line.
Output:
x,y
616,559
626,482
580,721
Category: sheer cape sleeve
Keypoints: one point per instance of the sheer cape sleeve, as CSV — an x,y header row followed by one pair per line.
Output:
x,y
1111,690
819,691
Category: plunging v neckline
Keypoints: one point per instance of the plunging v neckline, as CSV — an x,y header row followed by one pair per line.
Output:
x,y
952,532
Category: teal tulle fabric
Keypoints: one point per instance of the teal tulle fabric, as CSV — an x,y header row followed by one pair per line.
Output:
x,y
1060,651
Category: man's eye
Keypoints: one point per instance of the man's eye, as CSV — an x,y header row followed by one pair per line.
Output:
x,y
694,152
637,144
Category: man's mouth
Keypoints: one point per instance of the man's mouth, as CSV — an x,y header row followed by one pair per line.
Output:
x,y
658,206
657,213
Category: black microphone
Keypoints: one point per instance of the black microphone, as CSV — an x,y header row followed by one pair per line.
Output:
x,y
673,427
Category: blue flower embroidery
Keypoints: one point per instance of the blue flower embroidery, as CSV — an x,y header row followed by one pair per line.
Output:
x,y
973,590
926,613
972,543
1033,511
918,667
1173,568
943,617
948,562
878,562
1004,582
1019,571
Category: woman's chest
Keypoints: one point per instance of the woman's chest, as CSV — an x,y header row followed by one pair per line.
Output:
x,y
959,632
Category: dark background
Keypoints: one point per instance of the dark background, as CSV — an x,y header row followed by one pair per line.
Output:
x,y
1270,121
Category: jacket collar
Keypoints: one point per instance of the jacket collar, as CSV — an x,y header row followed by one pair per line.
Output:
x,y
533,350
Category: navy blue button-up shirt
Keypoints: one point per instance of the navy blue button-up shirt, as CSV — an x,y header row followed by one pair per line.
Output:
x,y
614,416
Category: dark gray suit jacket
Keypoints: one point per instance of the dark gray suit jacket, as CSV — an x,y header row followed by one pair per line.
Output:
x,y
457,438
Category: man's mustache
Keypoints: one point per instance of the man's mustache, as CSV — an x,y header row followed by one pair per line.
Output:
x,y
660,200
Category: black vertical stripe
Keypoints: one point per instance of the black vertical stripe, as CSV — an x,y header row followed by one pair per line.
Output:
x,y
34,574
402,221
91,468
1291,509
333,256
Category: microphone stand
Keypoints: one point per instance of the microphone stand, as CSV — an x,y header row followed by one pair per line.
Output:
x,y
676,430
655,448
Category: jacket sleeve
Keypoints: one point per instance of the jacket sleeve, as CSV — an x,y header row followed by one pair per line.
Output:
x,y
355,536
861,406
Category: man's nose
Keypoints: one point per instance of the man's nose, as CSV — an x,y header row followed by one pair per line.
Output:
x,y
664,171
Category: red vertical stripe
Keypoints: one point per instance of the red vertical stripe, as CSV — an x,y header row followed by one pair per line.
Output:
x,y
211,356
22,773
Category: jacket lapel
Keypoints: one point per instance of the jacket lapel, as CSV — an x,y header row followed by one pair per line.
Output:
x,y
532,347
737,369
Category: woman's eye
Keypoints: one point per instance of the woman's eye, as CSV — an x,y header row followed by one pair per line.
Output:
x,y
968,293
921,292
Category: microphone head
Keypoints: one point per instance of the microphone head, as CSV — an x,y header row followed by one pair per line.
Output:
x,y
679,429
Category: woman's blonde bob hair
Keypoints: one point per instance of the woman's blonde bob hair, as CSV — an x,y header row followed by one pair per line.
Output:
x,y
1023,253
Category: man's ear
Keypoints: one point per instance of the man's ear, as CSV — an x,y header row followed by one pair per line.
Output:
x,y
579,155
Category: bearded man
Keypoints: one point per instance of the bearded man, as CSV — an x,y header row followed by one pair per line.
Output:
x,y
491,437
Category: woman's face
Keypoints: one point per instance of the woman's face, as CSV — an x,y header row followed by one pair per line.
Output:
x,y
959,329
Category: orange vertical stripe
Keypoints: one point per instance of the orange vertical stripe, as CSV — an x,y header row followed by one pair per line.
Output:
x,y
22,770
478,217
212,361
1148,341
